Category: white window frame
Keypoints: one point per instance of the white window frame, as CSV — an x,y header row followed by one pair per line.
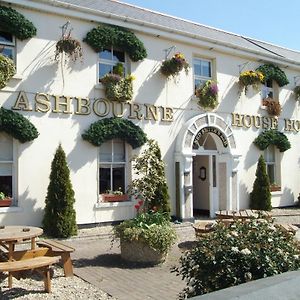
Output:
x,y
112,163
275,164
111,62
271,90
13,168
9,45
201,77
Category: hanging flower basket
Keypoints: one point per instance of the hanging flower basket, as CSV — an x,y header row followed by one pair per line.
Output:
x,y
69,46
253,78
7,70
297,92
207,94
173,66
273,107
118,88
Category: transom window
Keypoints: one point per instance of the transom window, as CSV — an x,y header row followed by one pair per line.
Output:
x,y
7,44
112,166
108,58
6,164
202,71
270,159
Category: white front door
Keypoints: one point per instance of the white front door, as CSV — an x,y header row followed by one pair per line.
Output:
x,y
213,186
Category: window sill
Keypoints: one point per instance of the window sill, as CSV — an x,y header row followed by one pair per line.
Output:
x,y
17,77
113,204
10,209
99,86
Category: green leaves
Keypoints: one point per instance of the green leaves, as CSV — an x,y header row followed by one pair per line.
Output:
x,y
105,36
112,128
233,255
15,23
272,137
7,70
272,72
17,126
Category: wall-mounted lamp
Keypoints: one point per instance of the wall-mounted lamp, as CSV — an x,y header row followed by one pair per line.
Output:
x,y
202,174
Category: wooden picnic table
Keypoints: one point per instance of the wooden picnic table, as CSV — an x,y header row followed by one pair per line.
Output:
x,y
242,214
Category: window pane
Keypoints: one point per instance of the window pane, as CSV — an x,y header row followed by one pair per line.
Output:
x,y
6,37
5,169
6,185
106,152
118,56
119,151
197,69
104,184
119,178
206,69
104,69
6,147
106,54
271,173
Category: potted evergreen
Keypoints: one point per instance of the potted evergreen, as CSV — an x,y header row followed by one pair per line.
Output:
x,y
148,237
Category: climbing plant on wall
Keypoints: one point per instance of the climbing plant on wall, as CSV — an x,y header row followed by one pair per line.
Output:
x,y
115,128
105,36
272,72
17,126
15,23
272,137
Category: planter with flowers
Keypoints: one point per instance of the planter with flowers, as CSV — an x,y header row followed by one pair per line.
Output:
x,y
297,92
7,70
117,87
173,66
253,78
114,196
70,47
207,95
5,201
148,237
273,107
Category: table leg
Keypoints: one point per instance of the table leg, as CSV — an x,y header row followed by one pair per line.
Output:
x,y
11,248
33,243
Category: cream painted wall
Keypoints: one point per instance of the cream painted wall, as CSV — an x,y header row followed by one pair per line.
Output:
x,y
40,73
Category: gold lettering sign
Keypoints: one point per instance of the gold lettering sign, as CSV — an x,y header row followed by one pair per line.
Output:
x,y
214,130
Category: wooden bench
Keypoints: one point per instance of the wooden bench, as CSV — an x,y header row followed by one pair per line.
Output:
x,y
59,249
41,263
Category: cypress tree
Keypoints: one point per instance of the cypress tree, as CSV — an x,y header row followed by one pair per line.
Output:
x,y
260,197
60,217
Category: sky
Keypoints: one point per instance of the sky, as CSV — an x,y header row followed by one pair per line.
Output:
x,y
273,21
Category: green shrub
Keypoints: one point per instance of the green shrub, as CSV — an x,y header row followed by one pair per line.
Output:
x,y
7,70
260,197
60,217
272,72
233,255
151,228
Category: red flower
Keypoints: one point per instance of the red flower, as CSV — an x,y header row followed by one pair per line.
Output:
x,y
137,207
140,202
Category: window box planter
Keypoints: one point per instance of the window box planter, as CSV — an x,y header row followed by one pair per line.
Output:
x,y
113,198
275,188
6,202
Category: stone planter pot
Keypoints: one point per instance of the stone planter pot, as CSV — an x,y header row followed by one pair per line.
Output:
x,y
140,252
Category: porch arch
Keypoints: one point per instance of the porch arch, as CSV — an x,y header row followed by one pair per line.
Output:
x,y
226,148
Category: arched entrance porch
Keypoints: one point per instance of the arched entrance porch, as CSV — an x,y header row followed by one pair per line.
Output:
x,y
206,167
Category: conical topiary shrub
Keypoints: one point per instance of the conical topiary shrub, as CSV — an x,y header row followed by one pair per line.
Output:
x,y
60,217
260,197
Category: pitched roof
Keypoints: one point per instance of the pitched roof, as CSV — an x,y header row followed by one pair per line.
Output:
x,y
184,27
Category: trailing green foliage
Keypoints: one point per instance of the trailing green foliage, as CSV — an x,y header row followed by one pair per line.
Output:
x,y
260,197
7,70
272,72
60,217
151,185
17,126
151,228
15,23
105,36
272,137
115,128
229,256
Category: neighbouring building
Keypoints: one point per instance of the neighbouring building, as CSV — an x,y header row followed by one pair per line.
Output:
x,y
204,120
